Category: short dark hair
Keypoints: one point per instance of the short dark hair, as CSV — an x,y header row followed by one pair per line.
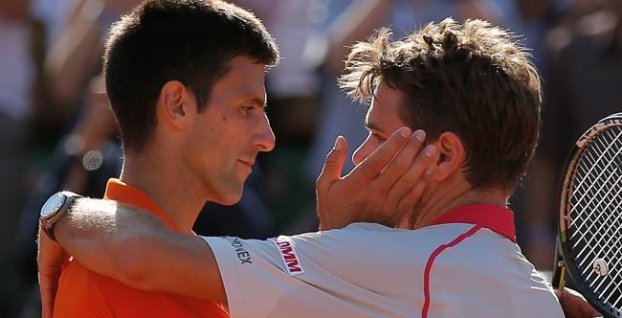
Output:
x,y
472,79
192,41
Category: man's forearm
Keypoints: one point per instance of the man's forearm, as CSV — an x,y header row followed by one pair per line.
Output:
x,y
138,250
82,233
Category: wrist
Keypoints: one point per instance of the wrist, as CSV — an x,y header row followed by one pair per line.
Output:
x,y
54,209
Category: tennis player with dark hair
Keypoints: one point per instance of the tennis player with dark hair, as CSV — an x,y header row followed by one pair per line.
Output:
x,y
180,92
477,95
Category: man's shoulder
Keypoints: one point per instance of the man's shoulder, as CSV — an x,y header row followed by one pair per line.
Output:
x,y
371,234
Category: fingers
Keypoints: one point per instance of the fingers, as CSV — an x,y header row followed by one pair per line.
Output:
x,y
47,287
402,162
409,188
574,304
333,166
50,258
373,165
403,195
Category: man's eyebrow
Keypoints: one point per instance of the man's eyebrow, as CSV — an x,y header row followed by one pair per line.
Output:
x,y
256,100
373,127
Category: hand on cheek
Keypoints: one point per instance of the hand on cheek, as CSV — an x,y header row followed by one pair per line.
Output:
x,y
361,193
382,189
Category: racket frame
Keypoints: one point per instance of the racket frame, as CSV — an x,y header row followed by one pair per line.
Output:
x,y
561,266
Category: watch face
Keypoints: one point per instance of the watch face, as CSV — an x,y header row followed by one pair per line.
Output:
x,y
52,205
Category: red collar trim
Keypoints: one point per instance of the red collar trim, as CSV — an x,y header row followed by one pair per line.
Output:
x,y
493,217
124,193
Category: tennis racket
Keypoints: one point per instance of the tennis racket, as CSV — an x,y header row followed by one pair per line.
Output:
x,y
589,242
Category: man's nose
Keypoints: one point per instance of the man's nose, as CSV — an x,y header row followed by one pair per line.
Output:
x,y
265,139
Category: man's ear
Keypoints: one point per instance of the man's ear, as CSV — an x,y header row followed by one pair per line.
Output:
x,y
450,158
174,105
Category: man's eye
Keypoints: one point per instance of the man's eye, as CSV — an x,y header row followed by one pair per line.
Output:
x,y
248,109
378,137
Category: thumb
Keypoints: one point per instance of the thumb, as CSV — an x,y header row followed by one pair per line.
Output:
x,y
334,163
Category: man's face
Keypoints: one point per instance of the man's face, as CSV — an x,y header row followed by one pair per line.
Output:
x,y
382,120
230,132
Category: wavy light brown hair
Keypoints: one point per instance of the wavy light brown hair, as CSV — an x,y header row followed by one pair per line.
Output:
x,y
472,79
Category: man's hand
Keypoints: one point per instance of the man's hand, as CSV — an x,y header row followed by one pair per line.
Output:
x,y
50,259
382,189
575,305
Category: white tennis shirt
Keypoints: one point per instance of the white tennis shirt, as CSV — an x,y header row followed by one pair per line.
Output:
x,y
466,264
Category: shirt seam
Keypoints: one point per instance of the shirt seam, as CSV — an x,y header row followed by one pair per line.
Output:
x,y
428,267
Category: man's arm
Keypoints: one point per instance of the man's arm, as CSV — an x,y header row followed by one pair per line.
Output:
x,y
138,250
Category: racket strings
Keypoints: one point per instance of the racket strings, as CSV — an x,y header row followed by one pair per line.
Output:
x,y
598,154
596,193
595,219
605,239
596,225
594,187
588,164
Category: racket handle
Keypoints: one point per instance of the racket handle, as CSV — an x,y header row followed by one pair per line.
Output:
x,y
559,273
559,276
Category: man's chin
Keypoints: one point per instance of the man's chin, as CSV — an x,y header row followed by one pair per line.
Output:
x,y
229,199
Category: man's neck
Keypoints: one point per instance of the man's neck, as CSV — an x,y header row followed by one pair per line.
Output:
x,y
453,196
158,177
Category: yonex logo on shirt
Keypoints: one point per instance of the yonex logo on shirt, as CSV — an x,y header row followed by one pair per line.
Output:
x,y
240,250
288,255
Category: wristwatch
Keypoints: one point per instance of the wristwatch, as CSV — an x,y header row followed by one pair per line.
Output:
x,y
54,209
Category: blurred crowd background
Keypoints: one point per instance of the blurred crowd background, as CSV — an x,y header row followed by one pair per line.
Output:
x,y
57,132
